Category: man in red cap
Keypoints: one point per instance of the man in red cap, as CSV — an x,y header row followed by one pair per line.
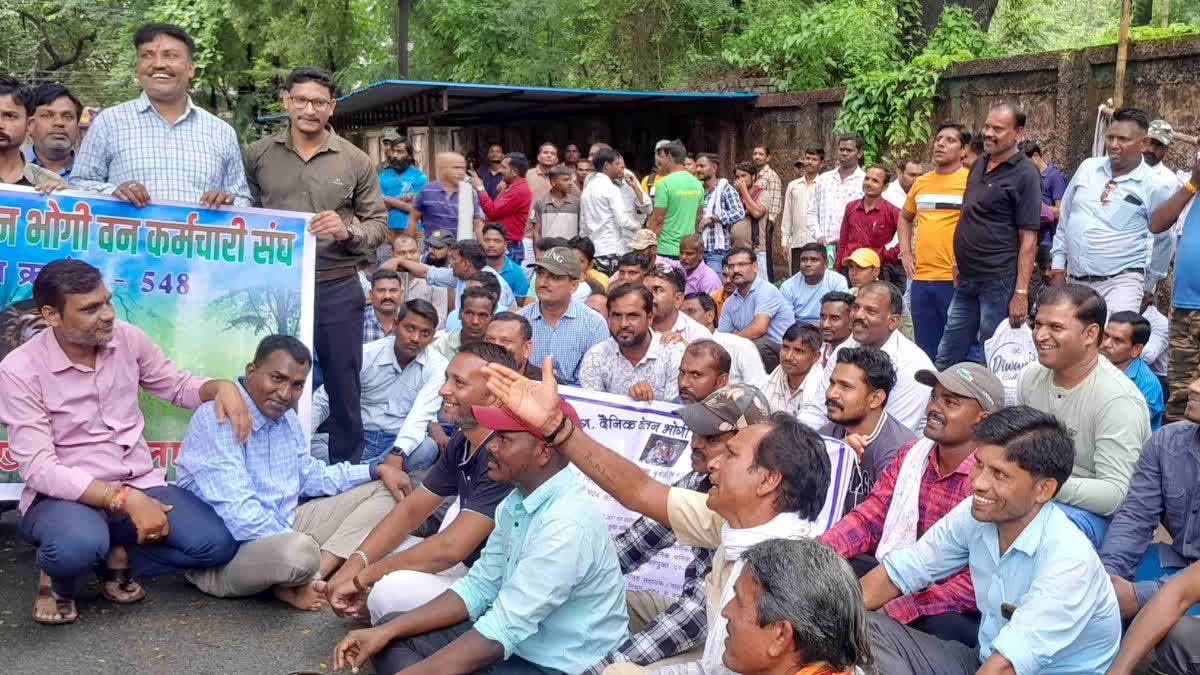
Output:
x,y
546,594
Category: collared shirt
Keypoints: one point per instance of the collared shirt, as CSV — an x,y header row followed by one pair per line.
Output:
x,y
1109,423
722,203
1103,230
1151,389
372,329
557,218
997,205
690,329
447,345
1165,489
1155,351
547,586
180,161
603,218
1054,184
895,195
255,486
795,228
64,173
681,626
444,278
860,530
907,400
439,208
393,183
339,178
805,298
831,194
874,229
1066,619
462,471
69,424
510,208
512,274
772,196
701,279
33,175
578,330
746,366
763,298
1162,246
885,439
781,398
605,368
394,398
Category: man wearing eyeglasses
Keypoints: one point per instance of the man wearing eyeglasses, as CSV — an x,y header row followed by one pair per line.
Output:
x,y
1103,235
308,167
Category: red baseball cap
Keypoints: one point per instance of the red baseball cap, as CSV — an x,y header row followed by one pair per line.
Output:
x,y
500,419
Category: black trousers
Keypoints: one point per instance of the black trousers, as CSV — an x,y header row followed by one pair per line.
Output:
x,y
961,628
338,339
401,654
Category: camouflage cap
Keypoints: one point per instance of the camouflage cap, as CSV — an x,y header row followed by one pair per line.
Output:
x,y
1161,131
642,240
391,135
729,408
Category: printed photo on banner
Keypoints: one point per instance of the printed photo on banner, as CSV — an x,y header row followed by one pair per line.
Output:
x,y
181,273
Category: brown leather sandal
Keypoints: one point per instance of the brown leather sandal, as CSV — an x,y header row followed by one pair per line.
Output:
x,y
124,580
65,607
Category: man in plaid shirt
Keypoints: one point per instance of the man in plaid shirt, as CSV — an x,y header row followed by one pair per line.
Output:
x,y
722,209
962,396
663,627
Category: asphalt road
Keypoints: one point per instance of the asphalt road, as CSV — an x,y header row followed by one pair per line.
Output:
x,y
176,629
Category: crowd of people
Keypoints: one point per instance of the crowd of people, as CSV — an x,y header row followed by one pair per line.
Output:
x,y
984,526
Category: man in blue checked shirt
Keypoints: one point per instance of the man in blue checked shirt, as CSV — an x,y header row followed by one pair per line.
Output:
x,y
545,596
160,145
255,487
1046,602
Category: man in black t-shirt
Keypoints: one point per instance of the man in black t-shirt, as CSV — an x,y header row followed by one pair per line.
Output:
x,y
424,568
995,242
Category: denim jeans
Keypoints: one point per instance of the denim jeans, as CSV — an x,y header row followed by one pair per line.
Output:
x,y
975,311
1090,524
379,443
929,306
1151,575
715,260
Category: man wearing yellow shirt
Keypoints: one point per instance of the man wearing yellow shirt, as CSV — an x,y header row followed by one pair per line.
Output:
x,y
933,205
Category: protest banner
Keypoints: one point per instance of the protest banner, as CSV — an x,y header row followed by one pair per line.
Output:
x,y
205,284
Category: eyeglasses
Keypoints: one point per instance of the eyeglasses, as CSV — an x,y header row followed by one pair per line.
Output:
x,y
1108,188
318,104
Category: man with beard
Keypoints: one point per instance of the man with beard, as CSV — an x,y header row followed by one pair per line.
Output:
x,y
513,333
466,259
400,378
834,323
927,478
54,128
400,182
1158,143
797,373
665,284
699,276
16,101
745,365
757,310
874,322
812,281
633,362
1104,410
492,175
384,299
662,627
378,579
478,306
511,208
855,404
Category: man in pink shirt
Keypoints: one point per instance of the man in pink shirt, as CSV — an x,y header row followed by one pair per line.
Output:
x,y
93,499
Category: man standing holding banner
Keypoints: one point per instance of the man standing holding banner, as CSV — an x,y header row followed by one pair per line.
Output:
x,y
309,168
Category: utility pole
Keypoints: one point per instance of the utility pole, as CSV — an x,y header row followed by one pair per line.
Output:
x,y
1122,54
402,11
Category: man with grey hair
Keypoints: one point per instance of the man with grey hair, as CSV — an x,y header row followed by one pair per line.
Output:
x,y
796,609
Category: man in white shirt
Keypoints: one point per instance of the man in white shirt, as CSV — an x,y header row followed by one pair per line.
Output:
x,y
799,373
875,320
794,227
603,217
1162,251
897,191
665,284
746,365
836,188
1155,353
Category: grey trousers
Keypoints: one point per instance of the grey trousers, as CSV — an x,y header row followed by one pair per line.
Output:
x,y
1179,651
900,650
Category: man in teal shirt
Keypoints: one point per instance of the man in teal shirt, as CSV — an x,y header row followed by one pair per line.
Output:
x,y
1125,337
678,197
399,180
545,596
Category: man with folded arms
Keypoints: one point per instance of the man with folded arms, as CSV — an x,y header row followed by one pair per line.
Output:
x,y
255,486
928,478
546,595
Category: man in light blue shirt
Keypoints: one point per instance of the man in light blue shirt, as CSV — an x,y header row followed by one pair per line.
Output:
x,y
806,288
1103,238
756,310
563,327
1046,601
400,380
466,259
545,596
255,487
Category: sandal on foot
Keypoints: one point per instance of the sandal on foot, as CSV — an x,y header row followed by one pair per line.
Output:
x,y
65,606
124,580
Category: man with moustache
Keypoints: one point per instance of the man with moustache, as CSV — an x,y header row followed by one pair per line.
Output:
x,y
927,478
399,182
562,325
478,306
855,403
798,372
834,323
666,285
703,370
757,310
382,580
633,362
699,276
662,627
383,300
745,365
15,103
514,334
54,129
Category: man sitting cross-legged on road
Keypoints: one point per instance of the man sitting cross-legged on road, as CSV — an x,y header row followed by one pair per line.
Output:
x,y
255,486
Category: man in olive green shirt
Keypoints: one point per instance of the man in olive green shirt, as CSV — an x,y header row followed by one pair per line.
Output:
x,y
1104,409
307,167
678,198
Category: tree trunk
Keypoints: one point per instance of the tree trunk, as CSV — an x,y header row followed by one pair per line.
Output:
x,y
982,9
1143,13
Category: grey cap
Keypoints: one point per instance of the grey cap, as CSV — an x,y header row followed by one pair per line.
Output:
x,y
562,261
968,379
1161,131
439,239
729,408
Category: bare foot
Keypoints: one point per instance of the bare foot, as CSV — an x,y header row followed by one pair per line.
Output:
x,y
48,608
119,587
306,597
